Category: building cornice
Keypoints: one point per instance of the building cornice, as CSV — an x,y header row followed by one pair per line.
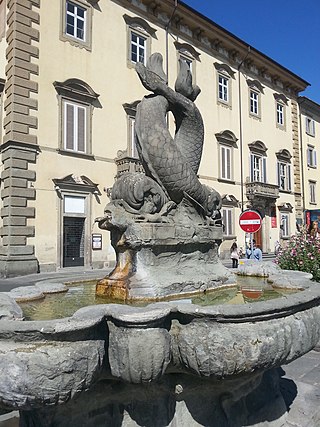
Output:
x,y
204,33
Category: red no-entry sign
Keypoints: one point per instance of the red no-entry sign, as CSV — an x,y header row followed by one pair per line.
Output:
x,y
250,221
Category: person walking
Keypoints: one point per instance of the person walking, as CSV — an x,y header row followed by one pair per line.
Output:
x,y
234,254
255,253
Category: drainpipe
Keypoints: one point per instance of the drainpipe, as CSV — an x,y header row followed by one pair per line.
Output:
x,y
240,128
302,164
167,37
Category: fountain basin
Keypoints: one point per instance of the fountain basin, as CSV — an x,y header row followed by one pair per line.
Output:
x,y
49,362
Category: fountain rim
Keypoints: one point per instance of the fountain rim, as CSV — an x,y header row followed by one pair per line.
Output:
x,y
156,312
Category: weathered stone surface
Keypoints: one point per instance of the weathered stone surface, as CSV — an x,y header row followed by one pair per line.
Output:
x,y
51,287
26,293
9,309
47,372
138,355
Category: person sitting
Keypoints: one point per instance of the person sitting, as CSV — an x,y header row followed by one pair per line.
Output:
x,y
234,254
255,253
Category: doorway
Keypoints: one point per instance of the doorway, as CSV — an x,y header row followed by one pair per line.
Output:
x,y
258,238
73,241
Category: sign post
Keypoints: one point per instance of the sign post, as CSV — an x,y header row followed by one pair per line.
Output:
x,y
250,221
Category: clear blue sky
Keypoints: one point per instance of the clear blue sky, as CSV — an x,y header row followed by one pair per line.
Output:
x,y
288,31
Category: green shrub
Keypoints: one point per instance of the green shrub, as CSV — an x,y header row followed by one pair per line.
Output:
x,y
302,253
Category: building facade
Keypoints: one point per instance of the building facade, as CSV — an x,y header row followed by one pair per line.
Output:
x,y
69,93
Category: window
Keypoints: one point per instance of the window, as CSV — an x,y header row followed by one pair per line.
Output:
x,y
281,102
284,170
130,110
133,152
284,225
225,162
224,77
312,191
76,100
223,83
140,34
227,214
311,157
74,127
138,48
254,102
227,142
280,114
76,23
255,91
258,169
310,126
284,176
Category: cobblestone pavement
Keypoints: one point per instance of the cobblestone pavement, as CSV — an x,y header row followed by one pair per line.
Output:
x,y
300,380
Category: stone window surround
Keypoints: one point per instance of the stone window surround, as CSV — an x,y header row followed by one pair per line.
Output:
x,y
310,126
259,149
283,156
229,208
312,192
130,109
78,92
188,52
255,86
227,139
280,99
141,28
226,72
80,186
86,44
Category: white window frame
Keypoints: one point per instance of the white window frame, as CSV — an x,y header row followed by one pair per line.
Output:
x,y
226,162
280,112
310,126
77,19
285,225
227,219
223,88
311,157
254,103
143,32
258,168
312,192
284,175
76,114
71,36
139,47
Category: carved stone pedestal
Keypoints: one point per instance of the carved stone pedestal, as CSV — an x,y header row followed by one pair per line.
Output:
x,y
157,260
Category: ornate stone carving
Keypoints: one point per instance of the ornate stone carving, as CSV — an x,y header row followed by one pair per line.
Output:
x,y
185,214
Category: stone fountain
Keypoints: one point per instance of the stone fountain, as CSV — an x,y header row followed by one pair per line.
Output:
x,y
169,363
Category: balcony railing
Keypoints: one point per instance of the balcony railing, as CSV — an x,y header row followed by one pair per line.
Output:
x,y
261,190
126,163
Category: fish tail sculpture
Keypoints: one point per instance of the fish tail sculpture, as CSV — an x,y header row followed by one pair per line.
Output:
x,y
172,162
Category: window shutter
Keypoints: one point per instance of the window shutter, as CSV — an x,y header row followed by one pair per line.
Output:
x,y
251,168
223,162
278,173
289,176
264,169
69,126
81,129
314,158
228,163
